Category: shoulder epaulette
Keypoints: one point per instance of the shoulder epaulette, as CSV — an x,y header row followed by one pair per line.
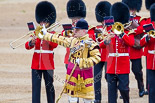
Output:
x,y
91,27
142,18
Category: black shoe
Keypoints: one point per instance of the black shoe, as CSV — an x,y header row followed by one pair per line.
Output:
x,y
97,101
141,93
120,97
146,92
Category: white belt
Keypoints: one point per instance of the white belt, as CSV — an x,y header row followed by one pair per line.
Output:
x,y
151,51
43,51
118,54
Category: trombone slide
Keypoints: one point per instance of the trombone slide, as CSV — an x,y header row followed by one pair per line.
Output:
x,y
14,47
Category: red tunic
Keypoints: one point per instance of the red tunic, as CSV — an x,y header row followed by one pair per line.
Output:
x,y
42,60
150,45
119,64
140,30
148,21
136,53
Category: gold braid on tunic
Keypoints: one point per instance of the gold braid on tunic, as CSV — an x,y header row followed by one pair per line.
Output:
x,y
90,55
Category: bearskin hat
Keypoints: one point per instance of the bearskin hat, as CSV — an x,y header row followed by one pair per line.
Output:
x,y
102,9
76,8
152,12
45,11
120,12
148,3
133,4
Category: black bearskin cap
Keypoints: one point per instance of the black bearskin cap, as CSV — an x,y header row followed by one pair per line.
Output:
x,y
133,4
120,12
46,12
102,9
152,12
148,3
76,8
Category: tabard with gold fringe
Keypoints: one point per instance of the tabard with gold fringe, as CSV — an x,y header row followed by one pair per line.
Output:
x,y
81,81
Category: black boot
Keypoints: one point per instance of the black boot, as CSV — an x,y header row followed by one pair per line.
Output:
x,y
146,92
141,92
120,97
125,95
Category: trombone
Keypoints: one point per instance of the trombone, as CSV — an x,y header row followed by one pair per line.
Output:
x,y
101,34
53,26
32,34
117,28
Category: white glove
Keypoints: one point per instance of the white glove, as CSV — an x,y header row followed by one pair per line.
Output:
x,y
78,61
44,30
88,42
82,43
40,36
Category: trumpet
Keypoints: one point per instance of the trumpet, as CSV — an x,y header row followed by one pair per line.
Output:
x,y
117,28
31,35
152,33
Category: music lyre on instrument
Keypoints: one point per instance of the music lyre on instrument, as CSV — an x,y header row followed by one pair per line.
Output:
x,y
150,30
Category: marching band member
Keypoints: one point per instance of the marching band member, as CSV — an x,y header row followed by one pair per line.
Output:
x,y
102,9
136,51
43,57
148,4
140,30
149,42
143,21
76,10
118,65
83,52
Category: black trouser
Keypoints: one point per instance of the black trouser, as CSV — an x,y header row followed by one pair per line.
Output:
x,y
151,81
146,76
115,82
137,71
147,84
66,65
36,85
98,68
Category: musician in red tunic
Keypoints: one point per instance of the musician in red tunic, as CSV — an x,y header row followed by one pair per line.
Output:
x,y
118,65
149,42
140,30
102,10
43,57
136,51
